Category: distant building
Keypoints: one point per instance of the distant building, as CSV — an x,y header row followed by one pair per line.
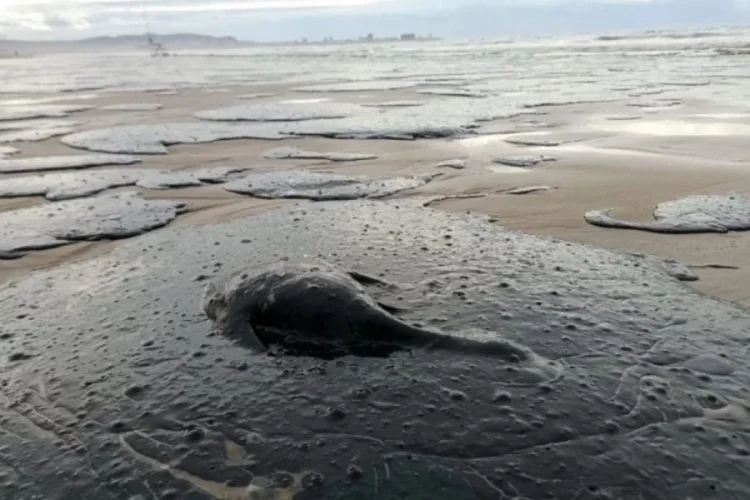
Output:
x,y
408,36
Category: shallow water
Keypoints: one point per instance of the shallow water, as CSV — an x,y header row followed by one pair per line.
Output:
x,y
524,73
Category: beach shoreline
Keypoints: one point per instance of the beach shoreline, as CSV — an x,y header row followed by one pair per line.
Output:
x,y
604,172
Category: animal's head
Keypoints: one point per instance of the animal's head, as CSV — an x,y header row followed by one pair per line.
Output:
x,y
213,300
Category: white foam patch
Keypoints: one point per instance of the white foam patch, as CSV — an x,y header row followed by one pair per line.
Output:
x,y
151,139
36,124
34,135
16,165
12,113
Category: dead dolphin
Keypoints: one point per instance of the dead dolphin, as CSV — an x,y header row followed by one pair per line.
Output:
x,y
317,304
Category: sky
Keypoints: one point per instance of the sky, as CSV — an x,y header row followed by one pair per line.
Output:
x,y
274,20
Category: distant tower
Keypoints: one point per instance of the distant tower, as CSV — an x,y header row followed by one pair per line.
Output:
x,y
157,48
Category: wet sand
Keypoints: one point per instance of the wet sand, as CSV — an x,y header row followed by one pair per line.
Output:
x,y
609,169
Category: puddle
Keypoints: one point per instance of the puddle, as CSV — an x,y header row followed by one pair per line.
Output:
x,y
674,128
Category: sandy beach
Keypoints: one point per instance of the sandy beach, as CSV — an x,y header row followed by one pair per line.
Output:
x,y
627,172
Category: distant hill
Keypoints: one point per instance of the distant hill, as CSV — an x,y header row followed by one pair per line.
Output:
x,y
120,43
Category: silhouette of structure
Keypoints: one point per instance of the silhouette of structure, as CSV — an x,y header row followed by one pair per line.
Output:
x,y
155,46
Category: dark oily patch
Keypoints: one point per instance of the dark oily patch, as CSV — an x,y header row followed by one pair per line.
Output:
x,y
34,135
393,104
437,199
713,266
442,77
693,214
136,106
68,185
6,151
11,113
451,82
456,92
687,83
562,101
320,186
253,96
458,164
674,268
153,139
185,178
132,394
622,117
522,161
658,103
287,153
14,165
533,142
527,190
103,217
280,112
359,86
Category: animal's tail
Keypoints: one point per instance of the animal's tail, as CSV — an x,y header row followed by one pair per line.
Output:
x,y
500,348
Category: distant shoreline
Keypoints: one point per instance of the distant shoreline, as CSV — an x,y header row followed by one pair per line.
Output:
x,y
177,42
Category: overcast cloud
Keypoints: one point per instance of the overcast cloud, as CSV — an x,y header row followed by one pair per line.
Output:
x,y
266,20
